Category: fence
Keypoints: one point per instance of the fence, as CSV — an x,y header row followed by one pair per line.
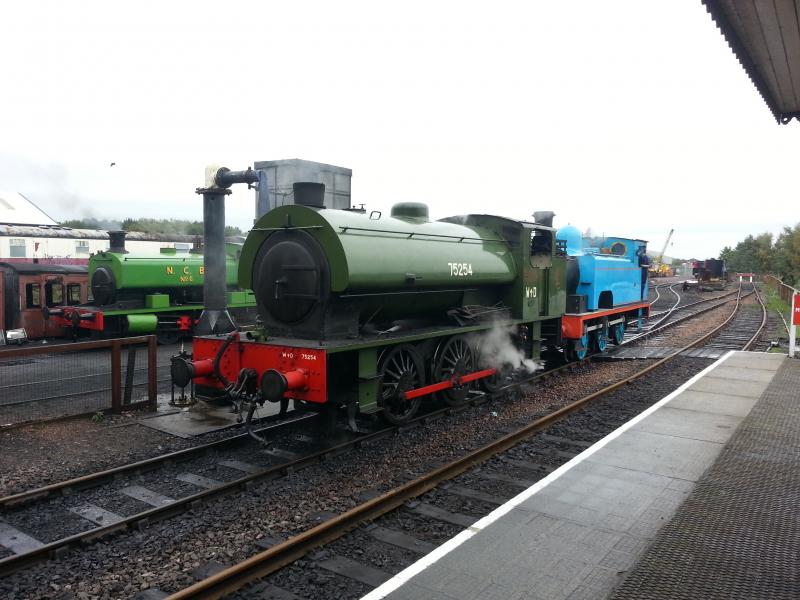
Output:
x,y
784,291
788,295
52,381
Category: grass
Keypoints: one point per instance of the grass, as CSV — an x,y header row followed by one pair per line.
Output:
x,y
774,302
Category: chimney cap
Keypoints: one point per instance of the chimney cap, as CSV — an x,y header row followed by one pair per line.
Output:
x,y
544,217
116,240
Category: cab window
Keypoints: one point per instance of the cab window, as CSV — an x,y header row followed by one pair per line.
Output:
x,y
74,294
541,242
54,293
33,296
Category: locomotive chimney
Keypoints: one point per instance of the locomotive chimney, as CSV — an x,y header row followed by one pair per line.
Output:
x,y
215,317
544,217
309,194
117,242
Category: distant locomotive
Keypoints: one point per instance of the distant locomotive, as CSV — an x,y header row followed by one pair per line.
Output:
x,y
711,269
709,274
375,313
137,294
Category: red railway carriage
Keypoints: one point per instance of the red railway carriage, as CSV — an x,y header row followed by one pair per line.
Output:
x,y
28,288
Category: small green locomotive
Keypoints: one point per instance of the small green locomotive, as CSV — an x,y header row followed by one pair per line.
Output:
x,y
144,293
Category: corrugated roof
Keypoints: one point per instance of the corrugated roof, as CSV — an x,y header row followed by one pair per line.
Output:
x,y
16,209
91,234
765,36
33,268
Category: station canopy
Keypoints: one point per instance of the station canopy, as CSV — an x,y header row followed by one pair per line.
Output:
x,y
765,36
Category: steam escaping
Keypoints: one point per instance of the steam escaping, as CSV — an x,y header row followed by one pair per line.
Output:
x,y
497,350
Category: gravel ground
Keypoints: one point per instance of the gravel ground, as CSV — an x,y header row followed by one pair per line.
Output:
x,y
167,553
362,547
435,532
225,531
41,454
459,505
36,455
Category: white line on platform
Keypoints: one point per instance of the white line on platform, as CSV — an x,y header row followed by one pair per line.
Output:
x,y
423,563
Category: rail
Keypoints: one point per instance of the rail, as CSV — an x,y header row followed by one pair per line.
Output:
x,y
761,327
53,549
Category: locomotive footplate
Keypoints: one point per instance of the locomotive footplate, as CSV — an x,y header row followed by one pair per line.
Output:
x,y
299,371
574,326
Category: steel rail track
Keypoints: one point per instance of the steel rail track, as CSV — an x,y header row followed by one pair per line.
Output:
x,y
761,327
264,563
687,317
98,478
764,317
691,304
657,289
670,310
59,548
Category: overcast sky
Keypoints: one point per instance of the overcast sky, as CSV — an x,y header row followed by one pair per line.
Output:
x,y
628,118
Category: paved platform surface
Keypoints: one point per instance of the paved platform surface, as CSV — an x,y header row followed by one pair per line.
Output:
x,y
737,536
580,531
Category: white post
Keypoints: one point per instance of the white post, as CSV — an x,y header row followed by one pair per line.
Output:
x,y
793,327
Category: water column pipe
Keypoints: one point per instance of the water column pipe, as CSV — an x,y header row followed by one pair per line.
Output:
x,y
215,318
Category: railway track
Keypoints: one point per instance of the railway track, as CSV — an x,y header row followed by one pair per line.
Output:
x,y
687,301
83,509
661,321
658,290
477,481
744,328
44,523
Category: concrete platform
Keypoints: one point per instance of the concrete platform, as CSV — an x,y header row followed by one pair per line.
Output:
x,y
581,530
199,418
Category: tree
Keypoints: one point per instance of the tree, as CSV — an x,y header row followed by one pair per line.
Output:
x,y
90,223
162,226
786,259
765,254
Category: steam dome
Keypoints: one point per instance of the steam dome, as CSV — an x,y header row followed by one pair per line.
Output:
x,y
572,236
